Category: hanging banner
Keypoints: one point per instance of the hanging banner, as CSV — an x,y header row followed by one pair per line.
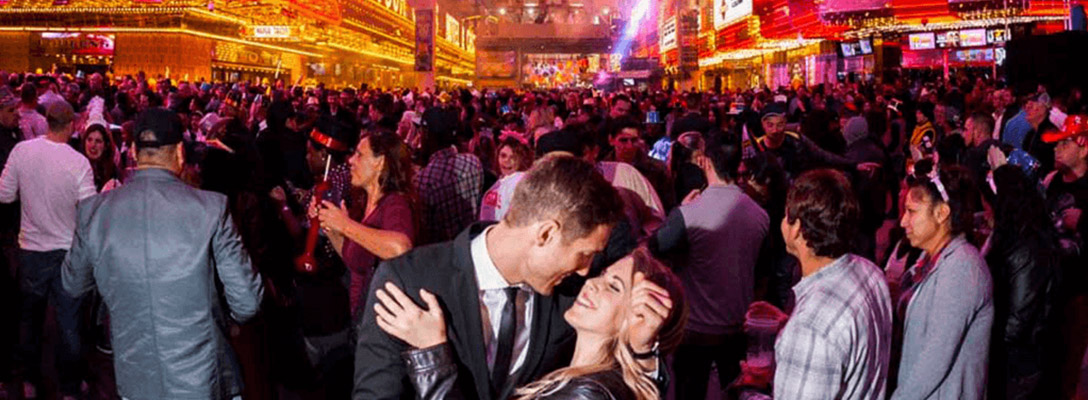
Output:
x,y
728,11
424,40
453,30
668,35
688,33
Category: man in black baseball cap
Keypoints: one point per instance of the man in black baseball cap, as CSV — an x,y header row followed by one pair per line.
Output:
x,y
165,243
159,140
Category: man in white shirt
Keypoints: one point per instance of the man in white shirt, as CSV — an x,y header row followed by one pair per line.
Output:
x,y
49,177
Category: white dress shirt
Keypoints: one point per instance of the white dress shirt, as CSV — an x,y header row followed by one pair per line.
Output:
x,y
493,299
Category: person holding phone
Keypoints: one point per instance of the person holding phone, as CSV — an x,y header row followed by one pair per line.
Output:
x,y
382,168
715,238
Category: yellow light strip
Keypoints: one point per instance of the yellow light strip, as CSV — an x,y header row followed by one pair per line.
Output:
x,y
452,79
60,10
164,30
370,53
383,8
371,30
977,23
209,14
127,10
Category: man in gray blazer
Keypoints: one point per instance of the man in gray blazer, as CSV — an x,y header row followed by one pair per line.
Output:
x,y
157,249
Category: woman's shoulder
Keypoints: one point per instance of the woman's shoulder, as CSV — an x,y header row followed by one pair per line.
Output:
x,y
396,198
603,385
968,269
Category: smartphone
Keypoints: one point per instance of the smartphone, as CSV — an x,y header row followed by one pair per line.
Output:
x,y
652,117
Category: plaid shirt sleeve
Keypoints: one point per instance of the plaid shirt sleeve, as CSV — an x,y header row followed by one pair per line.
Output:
x,y
807,365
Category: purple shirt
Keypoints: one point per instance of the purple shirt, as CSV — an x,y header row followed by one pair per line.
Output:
x,y
393,213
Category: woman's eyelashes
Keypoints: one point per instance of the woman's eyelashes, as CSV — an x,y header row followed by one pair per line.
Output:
x,y
616,284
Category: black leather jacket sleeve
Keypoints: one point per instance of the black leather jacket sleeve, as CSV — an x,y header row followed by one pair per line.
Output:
x,y
582,389
433,372
1030,285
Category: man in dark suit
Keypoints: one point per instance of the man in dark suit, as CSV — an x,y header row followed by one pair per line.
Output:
x,y
495,285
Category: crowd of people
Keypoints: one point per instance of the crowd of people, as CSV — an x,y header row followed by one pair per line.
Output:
x,y
917,238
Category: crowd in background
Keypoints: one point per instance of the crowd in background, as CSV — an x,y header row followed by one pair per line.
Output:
x,y
985,180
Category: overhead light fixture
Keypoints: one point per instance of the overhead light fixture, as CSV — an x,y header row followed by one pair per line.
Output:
x,y
502,11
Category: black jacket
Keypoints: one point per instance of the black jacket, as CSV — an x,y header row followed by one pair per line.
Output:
x,y
446,270
1026,277
433,373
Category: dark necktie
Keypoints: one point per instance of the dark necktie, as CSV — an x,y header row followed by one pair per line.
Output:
x,y
505,350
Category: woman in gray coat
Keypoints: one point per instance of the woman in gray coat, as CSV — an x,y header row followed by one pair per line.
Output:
x,y
945,309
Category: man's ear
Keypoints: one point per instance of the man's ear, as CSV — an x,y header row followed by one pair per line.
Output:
x,y
793,232
546,231
180,153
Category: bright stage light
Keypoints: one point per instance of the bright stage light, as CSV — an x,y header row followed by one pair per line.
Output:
x,y
637,15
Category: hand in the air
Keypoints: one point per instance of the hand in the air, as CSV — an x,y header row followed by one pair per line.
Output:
x,y
995,157
400,317
279,195
650,305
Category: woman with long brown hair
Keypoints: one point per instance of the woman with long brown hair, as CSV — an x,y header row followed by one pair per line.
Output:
x,y
99,149
604,366
381,167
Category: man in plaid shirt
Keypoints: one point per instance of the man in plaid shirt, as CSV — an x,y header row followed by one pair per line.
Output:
x,y
836,344
451,185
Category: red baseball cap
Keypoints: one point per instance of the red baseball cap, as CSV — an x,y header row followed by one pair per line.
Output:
x,y
1074,125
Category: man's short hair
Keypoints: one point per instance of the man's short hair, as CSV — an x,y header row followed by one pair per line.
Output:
x,y
619,98
986,121
693,99
28,93
625,122
828,210
59,114
725,154
569,190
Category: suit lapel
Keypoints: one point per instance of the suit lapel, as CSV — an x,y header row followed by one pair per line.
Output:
x,y
466,327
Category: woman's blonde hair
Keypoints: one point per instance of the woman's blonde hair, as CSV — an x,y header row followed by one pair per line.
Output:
x,y
540,117
618,353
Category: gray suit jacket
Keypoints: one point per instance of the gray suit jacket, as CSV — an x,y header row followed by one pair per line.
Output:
x,y
157,249
946,336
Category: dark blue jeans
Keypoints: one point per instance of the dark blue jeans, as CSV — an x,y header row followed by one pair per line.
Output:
x,y
39,283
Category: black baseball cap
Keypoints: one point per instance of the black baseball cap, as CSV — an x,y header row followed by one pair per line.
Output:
x,y
561,140
164,124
